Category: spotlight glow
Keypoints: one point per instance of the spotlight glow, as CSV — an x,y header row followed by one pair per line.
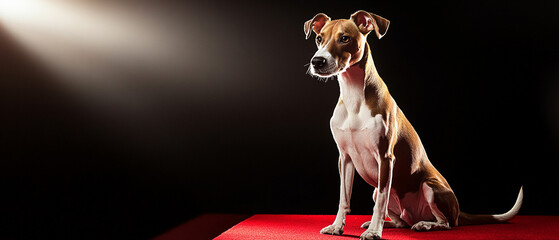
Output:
x,y
99,50
18,9
125,53
64,31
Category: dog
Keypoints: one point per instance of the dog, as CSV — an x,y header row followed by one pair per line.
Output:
x,y
375,139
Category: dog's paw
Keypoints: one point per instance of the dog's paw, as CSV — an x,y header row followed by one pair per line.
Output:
x,y
430,226
421,226
333,230
366,224
370,235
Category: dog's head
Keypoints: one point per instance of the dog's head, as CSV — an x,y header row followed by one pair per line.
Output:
x,y
341,42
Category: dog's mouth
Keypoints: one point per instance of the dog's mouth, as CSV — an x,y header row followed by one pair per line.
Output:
x,y
325,72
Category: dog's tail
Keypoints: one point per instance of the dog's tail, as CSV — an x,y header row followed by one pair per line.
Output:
x,y
471,219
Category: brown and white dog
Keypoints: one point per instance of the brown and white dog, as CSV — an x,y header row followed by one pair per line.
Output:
x,y
375,139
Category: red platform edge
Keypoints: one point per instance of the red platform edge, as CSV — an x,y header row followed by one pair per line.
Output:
x,y
203,227
286,227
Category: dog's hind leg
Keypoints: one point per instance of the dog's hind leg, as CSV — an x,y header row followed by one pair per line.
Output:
x,y
395,222
393,209
443,205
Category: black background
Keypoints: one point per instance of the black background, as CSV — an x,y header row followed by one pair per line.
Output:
x,y
477,79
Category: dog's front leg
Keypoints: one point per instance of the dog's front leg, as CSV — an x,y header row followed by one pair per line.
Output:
x,y
391,126
381,205
347,171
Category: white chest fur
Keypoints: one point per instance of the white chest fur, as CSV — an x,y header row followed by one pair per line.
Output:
x,y
356,131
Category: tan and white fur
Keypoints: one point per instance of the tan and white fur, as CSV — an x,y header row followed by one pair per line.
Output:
x,y
375,139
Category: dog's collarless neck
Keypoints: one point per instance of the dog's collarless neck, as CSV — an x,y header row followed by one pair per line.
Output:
x,y
363,71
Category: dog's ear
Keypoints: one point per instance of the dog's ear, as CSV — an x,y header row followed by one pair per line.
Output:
x,y
366,22
316,23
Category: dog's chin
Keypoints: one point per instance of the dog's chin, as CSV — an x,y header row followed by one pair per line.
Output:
x,y
325,73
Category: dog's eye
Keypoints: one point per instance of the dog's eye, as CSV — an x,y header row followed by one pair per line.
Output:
x,y
319,39
345,39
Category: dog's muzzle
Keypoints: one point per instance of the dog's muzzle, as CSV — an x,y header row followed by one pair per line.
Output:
x,y
318,62
323,66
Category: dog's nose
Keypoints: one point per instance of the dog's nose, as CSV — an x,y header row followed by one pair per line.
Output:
x,y
318,62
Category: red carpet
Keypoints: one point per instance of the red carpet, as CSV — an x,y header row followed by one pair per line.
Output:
x,y
287,227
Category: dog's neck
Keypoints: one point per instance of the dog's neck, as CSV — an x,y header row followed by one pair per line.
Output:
x,y
362,81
